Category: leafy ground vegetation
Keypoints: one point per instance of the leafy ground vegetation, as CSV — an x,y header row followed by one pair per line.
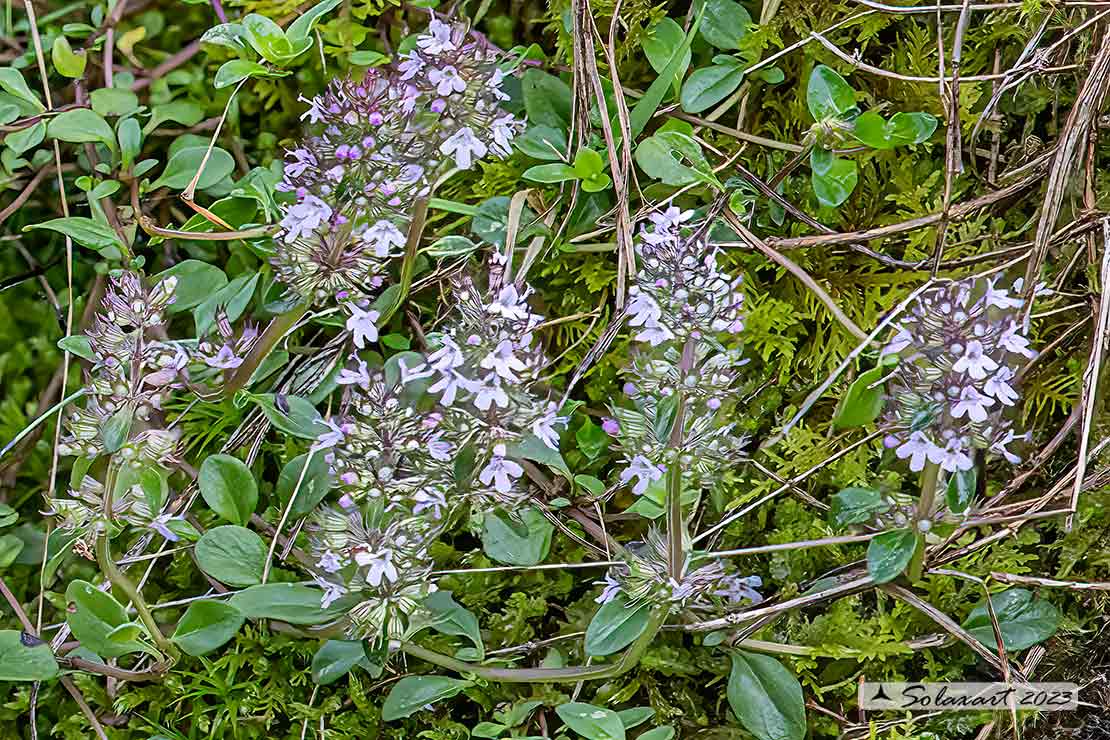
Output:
x,y
580,369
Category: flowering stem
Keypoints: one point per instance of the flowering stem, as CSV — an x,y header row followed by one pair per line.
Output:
x,y
123,583
929,475
625,662
274,333
676,535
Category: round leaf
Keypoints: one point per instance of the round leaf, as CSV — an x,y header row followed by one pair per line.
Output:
x,y
828,95
890,553
1023,620
25,658
206,626
766,697
615,626
228,488
413,693
231,554
595,723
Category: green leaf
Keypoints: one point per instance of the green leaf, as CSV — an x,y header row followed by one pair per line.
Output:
x,y
588,163
661,43
635,716
267,38
833,178
206,626
902,129
230,35
1023,620
313,487
961,490
301,420
523,542
533,448
130,141
183,112
666,732
183,166
546,99
592,440
113,101
10,547
20,661
30,137
413,693
302,26
228,487
542,142
8,515
726,23
675,159
236,70
645,109
828,95
856,506
66,61
81,126
114,431
336,658
77,345
451,245
710,85
87,233
555,172
12,82
451,618
766,697
615,626
890,553
862,404
232,298
288,602
93,616
367,58
594,723
196,281
232,554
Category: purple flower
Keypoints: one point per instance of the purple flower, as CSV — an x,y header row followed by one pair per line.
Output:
x,y
361,325
999,386
974,361
612,587
503,362
644,471
383,235
360,376
303,219
438,38
225,359
433,500
954,457
544,427
465,147
380,563
447,80
329,562
509,304
500,471
973,403
331,438
489,391
918,448
610,426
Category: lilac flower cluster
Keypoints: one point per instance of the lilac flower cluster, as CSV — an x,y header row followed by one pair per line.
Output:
x,y
683,391
378,144
131,376
229,348
959,350
374,560
395,459
484,375
644,579
681,306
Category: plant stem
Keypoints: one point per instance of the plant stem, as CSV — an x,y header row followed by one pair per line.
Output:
x,y
274,333
123,583
571,674
929,475
676,529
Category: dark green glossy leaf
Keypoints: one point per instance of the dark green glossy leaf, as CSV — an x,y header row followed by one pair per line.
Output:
x,y
890,553
206,626
1023,619
232,554
615,626
766,697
